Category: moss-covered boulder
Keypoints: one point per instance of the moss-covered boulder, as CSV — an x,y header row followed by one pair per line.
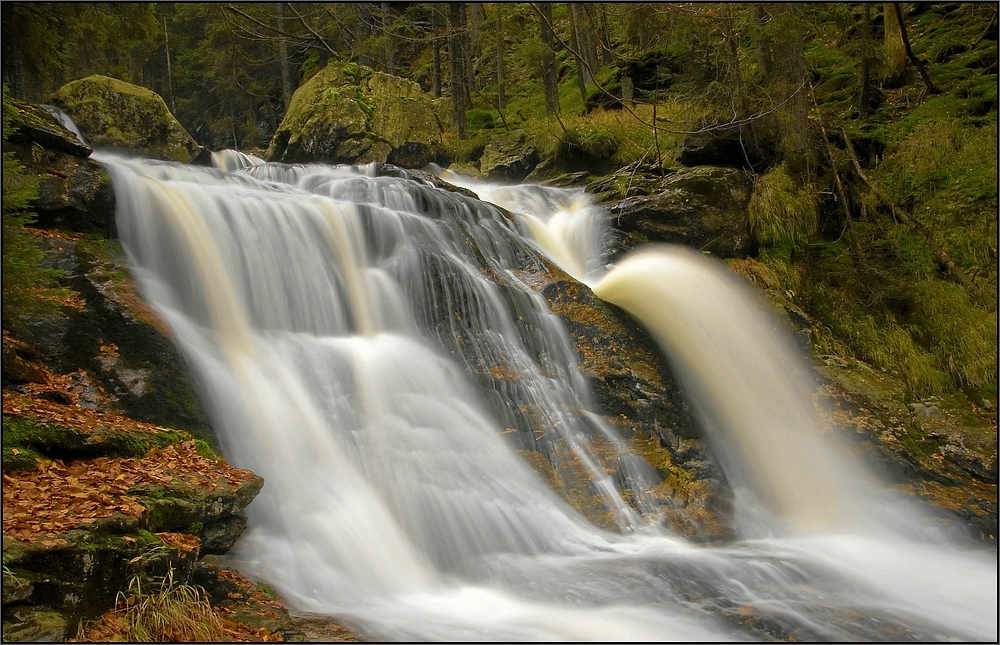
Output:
x,y
117,114
508,157
353,114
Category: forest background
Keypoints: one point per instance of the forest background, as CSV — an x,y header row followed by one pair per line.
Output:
x,y
869,130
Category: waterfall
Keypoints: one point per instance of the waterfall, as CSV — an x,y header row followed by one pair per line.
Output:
x,y
366,344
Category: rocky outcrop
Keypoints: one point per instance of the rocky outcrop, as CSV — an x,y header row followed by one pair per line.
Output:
x,y
704,208
942,449
118,350
631,382
76,534
353,114
74,192
120,115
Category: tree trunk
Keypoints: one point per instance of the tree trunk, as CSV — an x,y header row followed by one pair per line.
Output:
x,y
931,89
387,46
170,76
582,75
894,48
628,91
605,36
501,94
436,73
865,100
286,81
477,16
456,55
549,79
781,54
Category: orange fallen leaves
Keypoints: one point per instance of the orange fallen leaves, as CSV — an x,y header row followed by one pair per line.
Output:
x,y
71,416
57,497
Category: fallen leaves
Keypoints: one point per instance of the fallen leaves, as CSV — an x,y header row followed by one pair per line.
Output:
x,y
57,497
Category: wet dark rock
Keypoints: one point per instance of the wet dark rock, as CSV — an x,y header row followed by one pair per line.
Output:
x,y
118,340
714,149
704,208
74,192
51,588
213,514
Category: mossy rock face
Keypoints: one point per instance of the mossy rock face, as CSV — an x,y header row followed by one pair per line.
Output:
x,y
117,114
402,112
703,207
74,192
118,340
48,589
942,449
508,157
352,114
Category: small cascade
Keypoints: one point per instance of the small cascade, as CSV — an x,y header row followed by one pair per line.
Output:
x,y
66,122
365,344
565,224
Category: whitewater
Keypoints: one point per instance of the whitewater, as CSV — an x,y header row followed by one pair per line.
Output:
x,y
334,319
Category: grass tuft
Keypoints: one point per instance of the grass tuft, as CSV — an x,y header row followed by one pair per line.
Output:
x,y
781,211
173,613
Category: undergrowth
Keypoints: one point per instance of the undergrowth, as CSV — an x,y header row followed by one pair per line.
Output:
x,y
170,614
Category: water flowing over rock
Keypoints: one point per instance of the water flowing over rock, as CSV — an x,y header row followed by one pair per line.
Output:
x,y
113,113
353,114
409,354
444,461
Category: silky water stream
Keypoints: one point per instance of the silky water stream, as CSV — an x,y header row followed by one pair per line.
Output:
x,y
347,332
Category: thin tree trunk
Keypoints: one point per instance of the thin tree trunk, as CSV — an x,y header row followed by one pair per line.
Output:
x,y
628,91
919,64
894,48
501,94
286,81
436,74
582,76
170,76
456,56
387,41
549,61
865,100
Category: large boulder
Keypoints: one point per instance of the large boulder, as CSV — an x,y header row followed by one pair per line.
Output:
x,y
353,114
120,115
704,208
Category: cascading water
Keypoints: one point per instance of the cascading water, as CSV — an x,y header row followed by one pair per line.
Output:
x,y
364,343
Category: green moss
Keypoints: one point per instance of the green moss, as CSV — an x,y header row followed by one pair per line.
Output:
x,y
267,590
479,119
205,450
33,438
